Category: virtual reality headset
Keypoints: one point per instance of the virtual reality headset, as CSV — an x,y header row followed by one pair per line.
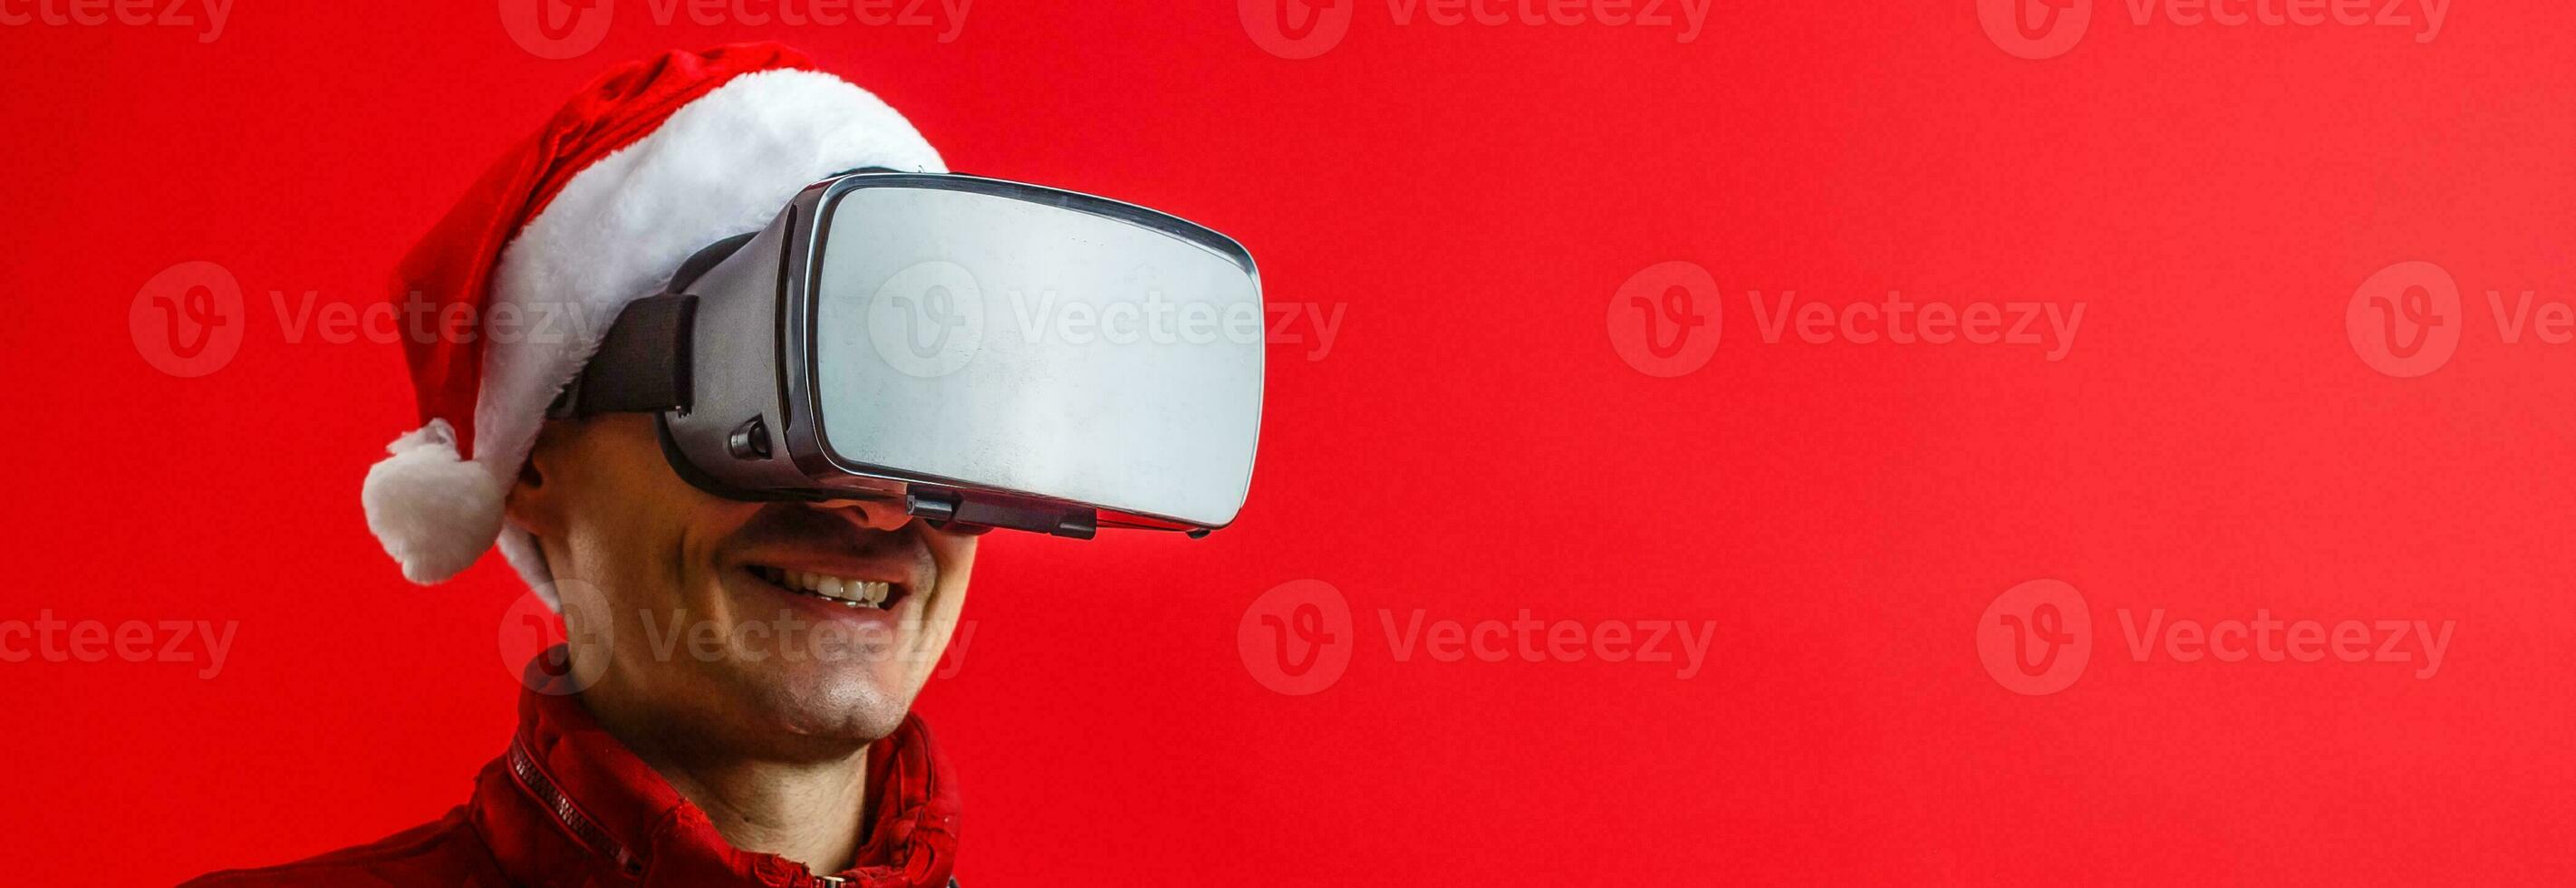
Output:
x,y
988,353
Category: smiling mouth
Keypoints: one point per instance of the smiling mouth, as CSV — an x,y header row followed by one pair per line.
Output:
x,y
851,593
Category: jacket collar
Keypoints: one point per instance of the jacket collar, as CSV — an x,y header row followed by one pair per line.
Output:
x,y
570,803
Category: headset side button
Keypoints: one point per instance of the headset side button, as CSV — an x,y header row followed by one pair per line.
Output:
x,y
749,440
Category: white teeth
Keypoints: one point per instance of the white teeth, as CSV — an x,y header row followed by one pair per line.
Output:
x,y
857,593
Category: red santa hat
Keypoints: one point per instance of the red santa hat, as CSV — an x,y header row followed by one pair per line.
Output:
x,y
645,166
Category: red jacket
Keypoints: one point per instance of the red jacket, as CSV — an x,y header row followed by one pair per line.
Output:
x,y
568,805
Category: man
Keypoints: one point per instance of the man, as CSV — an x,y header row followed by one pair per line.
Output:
x,y
733,709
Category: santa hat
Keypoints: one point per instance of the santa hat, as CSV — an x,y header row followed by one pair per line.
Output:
x,y
641,169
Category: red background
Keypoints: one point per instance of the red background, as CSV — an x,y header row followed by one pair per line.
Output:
x,y
1471,446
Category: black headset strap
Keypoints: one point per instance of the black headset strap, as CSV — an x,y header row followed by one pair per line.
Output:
x,y
642,366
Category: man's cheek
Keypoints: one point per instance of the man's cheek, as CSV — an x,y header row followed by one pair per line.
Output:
x,y
953,552
953,557
706,525
715,519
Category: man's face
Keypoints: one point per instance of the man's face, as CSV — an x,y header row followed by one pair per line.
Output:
x,y
736,617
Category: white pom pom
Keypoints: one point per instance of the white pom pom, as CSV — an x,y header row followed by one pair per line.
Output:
x,y
434,511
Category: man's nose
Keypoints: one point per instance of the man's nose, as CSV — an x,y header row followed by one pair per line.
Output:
x,y
873,514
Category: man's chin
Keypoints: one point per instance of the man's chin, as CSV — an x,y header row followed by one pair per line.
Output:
x,y
822,708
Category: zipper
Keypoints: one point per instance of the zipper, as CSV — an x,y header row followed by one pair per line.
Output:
x,y
584,830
